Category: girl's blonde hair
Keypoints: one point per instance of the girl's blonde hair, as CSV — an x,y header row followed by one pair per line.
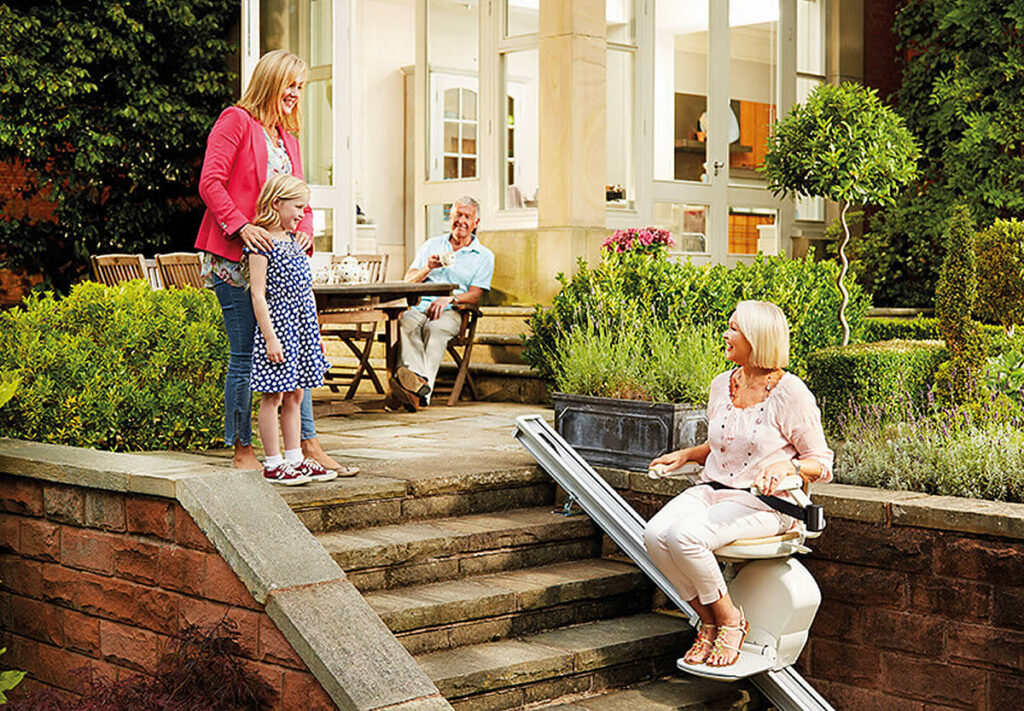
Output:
x,y
262,98
279,187
764,326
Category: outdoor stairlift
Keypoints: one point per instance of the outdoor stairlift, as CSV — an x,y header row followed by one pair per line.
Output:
x,y
778,595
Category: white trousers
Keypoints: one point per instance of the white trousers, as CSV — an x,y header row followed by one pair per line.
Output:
x,y
422,343
681,537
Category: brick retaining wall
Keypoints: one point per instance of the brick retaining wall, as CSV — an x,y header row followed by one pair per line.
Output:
x,y
922,598
100,580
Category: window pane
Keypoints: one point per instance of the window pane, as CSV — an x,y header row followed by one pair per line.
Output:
x,y
469,138
804,87
752,230
437,219
753,48
521,17
521,139
687,223
323,230
680,89
619,188
304,27
810,36
810,209
619,21
451,137
452,47
469,105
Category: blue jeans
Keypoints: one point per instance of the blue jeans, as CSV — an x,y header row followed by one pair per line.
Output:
x,y
240,324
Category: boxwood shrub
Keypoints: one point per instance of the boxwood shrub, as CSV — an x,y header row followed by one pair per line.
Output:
x,y
865,375
118,368
923,328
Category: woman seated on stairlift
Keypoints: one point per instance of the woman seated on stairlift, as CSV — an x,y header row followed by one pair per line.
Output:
x,y
763,425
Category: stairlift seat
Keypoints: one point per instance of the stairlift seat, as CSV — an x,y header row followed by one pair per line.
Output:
x,y
778,546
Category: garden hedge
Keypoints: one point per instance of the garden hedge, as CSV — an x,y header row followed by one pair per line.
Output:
x,y
118,368
866,375
923,328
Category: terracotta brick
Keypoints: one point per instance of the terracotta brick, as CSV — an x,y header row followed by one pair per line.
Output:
x,y
40,539
157,610
854,698
150,517
188,534
137,559
183,569
846,663
913,677
5,611
301,690
897,630
273,675
128,646
105,597
82,633
60,585
989,647
87,549
205,613
838,620
989,561
21,576
105,509
874,546
21,496
1005,691
10,537
37,620
64,503
222,584
274,648
859,585
67,670
960,600
22,653
1007,604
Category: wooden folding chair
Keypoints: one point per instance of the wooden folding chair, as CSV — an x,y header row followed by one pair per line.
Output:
x,y
180,269
112,269
356,328
460,348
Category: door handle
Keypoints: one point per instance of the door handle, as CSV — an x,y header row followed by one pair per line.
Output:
x,y
718,165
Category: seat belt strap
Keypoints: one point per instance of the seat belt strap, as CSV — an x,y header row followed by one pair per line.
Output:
x,y
813,516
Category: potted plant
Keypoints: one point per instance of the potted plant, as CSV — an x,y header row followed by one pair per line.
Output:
x,y
843,144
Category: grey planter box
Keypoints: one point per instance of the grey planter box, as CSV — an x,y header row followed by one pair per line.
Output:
x,y
626,434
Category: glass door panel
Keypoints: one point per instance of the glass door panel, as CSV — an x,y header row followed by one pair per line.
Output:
x,y
752,230
753,85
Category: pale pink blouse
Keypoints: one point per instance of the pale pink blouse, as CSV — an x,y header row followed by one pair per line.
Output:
x,y
785,425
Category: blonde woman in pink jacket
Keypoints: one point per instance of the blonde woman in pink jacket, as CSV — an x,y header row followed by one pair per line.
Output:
x,y
250,142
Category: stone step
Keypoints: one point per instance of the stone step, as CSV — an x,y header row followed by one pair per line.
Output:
x,y
387,557
511,320
581,659
482,609
674,693
373,499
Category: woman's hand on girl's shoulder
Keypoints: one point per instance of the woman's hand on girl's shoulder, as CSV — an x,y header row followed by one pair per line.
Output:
x,y
304,241
256,238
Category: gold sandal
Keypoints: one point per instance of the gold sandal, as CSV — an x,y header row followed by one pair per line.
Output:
x,y
720,646
701,646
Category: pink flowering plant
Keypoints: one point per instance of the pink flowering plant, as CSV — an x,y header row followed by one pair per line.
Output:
x,y
645,240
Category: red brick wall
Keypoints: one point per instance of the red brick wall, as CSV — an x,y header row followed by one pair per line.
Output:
x,y
881,68
912,619
101,580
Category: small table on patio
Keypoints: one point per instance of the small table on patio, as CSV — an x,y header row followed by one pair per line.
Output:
x,y
384,301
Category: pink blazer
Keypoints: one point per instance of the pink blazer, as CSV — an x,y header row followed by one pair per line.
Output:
x,y
234,171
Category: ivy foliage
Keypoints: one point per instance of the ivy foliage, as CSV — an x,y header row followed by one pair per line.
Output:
x,y
107,105
962,96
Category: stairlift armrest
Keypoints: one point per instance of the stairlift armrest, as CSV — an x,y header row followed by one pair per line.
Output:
x,y
660,471
792,484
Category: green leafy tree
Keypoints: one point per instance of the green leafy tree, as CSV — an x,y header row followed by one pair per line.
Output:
x,y
1000,251
107,105
845,145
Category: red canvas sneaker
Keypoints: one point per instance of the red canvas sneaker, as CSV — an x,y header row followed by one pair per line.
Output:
x,y
285,474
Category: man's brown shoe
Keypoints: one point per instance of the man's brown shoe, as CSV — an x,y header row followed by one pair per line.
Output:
x,y
397,394
412,382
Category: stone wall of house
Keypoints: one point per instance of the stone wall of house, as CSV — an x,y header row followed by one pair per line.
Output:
x,y
922,598
101,580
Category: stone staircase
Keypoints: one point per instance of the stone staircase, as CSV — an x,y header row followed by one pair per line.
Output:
x,y
504,602
496,365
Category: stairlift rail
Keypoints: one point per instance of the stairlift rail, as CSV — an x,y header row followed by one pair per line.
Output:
x,y
785,688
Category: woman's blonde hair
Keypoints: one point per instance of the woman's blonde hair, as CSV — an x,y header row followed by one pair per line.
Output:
x,y
262,98
279,187
765,327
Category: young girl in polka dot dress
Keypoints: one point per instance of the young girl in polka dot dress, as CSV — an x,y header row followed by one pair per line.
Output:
x,y
287,355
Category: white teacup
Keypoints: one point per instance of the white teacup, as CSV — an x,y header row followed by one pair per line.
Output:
x,y
447,258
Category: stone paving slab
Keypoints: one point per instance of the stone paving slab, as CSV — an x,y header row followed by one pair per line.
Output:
x,y
604,643
671,694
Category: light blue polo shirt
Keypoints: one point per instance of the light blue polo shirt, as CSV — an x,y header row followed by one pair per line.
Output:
x,y
473,266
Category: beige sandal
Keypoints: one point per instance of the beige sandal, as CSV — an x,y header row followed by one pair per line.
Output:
x,y
720,646
701,646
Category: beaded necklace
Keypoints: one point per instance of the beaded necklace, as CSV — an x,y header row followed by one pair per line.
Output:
x,y
771,381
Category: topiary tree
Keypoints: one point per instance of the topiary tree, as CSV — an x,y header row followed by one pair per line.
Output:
x,y
106,105
954,303
1000,258
845,145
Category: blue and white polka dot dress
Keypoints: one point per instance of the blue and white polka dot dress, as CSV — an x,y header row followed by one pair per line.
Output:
x,y
293,313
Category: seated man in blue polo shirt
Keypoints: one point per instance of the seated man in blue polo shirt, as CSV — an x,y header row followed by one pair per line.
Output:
x,y
459,258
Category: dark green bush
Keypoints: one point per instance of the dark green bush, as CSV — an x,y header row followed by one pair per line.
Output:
x,y
920,328
868,375
119,368
683,294
1000,251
